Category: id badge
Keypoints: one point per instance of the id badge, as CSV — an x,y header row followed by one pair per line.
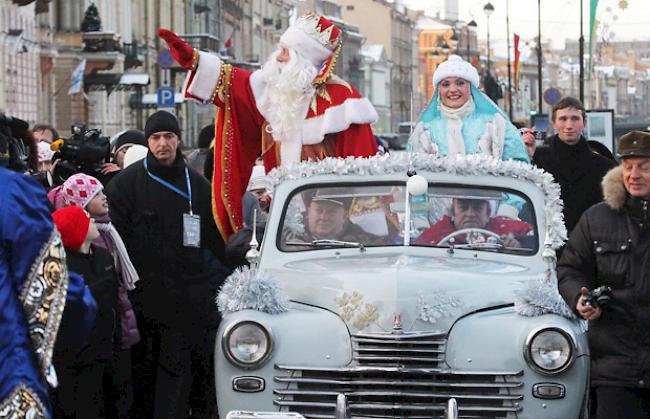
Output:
x,y
191,230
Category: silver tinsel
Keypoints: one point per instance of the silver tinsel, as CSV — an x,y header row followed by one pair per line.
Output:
x,y
468,165
434,308
542,297
247,289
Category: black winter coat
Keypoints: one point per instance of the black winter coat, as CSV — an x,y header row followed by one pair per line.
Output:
x,y
177,283
579,172
610,246
99,275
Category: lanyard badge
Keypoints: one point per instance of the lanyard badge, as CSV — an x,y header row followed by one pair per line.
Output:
x,y
191,221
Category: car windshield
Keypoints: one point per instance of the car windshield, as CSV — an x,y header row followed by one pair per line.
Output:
x,y
369,215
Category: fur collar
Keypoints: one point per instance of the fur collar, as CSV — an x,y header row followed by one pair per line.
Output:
x,y
613,188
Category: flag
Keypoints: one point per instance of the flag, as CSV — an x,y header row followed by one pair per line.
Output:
x,y
516,62
593,5
229,42
77,78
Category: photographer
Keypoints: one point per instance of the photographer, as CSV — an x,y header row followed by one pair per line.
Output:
x,y
86,151
610,246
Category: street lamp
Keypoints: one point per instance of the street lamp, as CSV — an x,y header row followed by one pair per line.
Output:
x,y
488,9
471,24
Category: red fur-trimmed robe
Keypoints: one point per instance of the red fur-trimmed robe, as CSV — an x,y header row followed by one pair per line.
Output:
x,y
337,124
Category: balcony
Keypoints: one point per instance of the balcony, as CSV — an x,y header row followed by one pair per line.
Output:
x,y
202,41
133,55
101,49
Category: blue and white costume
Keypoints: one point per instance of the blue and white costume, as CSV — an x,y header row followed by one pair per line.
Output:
x,y
34,290
479,126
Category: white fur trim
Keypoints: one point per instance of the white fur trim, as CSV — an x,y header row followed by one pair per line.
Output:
x,y
455,66
206,76
492,141
334,119
337,119
306,45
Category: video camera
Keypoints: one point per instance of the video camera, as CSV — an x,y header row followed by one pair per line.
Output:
x,y
14,153
599,297
85,151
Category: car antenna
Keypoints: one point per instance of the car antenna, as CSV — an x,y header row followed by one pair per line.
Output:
x,y
253,254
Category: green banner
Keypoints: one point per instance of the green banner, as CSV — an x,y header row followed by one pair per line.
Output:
x,y
593,5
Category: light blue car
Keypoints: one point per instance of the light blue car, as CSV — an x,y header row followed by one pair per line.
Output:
x,y
380,293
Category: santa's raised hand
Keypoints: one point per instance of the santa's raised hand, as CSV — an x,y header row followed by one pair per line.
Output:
x,y
182,52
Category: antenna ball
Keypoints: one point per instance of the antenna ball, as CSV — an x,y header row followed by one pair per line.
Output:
x,y
417,185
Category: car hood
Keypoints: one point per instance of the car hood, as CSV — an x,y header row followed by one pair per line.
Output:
x,y
370,292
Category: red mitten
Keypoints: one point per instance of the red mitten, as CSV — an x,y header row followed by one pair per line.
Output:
x,y
182,52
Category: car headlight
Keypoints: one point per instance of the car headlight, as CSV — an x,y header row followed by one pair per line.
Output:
x,y
549,350
247,344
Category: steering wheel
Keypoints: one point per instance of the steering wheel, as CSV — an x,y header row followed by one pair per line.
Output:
x,y
475,230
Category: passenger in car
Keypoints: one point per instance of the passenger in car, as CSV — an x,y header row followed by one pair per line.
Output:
x,y
327,218
460,119
474,215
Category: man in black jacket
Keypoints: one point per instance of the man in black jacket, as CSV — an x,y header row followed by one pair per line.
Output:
x,y
610,246
162,209
568,158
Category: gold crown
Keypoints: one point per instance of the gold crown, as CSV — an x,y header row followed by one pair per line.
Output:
x,y
310,24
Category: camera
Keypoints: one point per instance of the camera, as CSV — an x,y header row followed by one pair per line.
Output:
x,y
14,153
537,134
599,297
85,151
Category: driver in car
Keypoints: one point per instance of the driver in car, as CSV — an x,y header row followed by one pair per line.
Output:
x,y
327,218
473,215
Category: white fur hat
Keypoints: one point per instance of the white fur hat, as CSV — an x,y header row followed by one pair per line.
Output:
x,y
134,154
259,180
455,66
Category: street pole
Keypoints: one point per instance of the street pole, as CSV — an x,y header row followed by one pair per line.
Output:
x,y
488,44
488,9
539,56
509,71
581,52
472,24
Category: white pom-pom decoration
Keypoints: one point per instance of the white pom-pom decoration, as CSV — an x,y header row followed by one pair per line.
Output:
x,y
417,185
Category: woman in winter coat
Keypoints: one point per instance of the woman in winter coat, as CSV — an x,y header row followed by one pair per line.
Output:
x,y
87,192
460,119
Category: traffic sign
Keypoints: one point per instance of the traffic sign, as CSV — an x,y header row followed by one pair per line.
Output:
x,y
165,97
552,95
165,59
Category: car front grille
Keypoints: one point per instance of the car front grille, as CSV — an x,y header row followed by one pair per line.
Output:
x,y
390,377
405,349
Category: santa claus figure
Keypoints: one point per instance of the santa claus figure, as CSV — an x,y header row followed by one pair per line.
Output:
x,y
294,108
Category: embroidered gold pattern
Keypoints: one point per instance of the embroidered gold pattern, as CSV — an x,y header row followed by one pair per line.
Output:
x,y
195,59
22,403
43,299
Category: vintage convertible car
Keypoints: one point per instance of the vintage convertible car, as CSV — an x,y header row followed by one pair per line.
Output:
x,y
404,287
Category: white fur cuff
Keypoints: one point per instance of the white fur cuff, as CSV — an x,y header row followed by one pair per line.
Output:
x,y
206,76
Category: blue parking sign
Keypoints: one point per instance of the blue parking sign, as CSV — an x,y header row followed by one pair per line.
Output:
x,y
165,97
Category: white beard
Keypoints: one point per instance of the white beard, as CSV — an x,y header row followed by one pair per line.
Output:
x,y
285,101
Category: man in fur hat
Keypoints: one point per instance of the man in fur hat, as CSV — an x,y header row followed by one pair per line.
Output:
x,y
294,108
610,246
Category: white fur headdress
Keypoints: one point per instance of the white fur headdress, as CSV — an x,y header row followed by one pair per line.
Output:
x,y
455,66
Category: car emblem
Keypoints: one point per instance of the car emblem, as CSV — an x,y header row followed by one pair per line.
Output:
x,y
397,324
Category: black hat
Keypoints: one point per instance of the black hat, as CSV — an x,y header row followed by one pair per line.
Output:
x,y
162,121
634,144
130,137
338,196
206,136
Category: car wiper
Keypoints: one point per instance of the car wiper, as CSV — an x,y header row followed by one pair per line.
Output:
x,y
325,243
488,246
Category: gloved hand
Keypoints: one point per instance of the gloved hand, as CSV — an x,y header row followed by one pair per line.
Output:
x,y
182,52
